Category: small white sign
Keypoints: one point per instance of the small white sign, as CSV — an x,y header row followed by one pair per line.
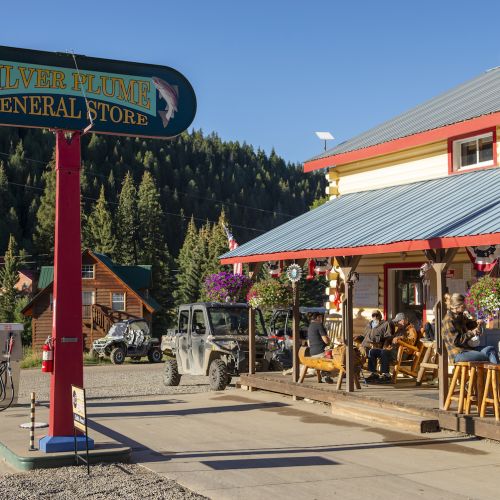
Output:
x,y
366,291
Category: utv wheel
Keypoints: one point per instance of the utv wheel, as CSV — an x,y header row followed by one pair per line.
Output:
x,y
117,355
155,355
218,375
171,375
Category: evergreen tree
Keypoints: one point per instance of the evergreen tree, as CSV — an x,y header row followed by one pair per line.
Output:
x,y
126,223
217,245
153,247
5,203
188,267
9,275
99,227
46,215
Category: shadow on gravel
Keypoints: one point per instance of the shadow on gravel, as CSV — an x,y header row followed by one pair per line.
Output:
x,y
192,411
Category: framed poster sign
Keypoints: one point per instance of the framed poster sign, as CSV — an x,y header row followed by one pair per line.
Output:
x,y
366,291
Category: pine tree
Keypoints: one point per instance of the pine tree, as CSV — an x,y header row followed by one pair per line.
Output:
x,y
126,223
4,208
9,275
188,267
218,245
46,215
153,248
99,227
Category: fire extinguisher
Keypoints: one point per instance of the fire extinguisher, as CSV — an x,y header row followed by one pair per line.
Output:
x,y
48,356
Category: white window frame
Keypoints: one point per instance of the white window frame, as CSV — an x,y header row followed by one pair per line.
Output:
x,y
93,296
124,301
83,271
457,153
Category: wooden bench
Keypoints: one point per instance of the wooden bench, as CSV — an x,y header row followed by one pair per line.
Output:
x,y
323,365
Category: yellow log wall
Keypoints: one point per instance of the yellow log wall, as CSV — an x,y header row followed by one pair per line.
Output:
x,y
374,264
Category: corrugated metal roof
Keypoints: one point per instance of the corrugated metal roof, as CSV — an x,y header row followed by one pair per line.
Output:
x,y
457,205
46,277
477,97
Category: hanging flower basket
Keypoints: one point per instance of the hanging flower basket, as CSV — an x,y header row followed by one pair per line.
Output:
x,y
269,293
227,287
483,298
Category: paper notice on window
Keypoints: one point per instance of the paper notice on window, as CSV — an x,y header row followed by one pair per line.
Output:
x,y
456,285
467,272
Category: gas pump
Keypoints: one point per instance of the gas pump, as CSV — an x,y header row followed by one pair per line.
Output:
x,y
11,352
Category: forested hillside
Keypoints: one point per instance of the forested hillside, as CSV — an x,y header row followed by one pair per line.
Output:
x,y
196,176
163,203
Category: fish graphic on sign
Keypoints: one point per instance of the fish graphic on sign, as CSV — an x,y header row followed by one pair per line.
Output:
x,y
170,93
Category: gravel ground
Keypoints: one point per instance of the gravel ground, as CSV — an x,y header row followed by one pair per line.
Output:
x,y
110,381
115,481
110,482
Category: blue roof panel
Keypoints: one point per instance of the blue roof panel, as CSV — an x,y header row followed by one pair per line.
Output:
x,y
477,97
457,205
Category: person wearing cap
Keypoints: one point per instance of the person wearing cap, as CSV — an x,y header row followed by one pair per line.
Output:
x,y
458,330
398,329
377,334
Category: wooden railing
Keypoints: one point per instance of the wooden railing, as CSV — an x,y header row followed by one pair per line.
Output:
x,y
101,320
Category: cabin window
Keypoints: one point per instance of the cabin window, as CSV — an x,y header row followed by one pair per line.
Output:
x,y
88,272
118,301
474,151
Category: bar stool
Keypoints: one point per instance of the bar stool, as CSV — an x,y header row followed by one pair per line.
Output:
x,y
491,386
471,373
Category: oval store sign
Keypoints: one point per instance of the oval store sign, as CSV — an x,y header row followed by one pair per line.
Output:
x,y
66,91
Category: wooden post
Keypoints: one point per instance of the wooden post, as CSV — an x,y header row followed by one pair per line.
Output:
x,y
441,260
347,267
253,269
251,341
295,332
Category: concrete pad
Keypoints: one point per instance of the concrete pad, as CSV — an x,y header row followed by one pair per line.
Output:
x,y
234,445
14,443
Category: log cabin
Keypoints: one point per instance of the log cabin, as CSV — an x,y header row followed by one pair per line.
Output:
x,y
110,293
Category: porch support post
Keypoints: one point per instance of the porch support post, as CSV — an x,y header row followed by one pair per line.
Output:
x,y
441,260
251,340
347,267
295,332
252,273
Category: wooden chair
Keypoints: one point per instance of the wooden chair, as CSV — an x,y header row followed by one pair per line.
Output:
x,y
466,386
429,360
491,391
408,357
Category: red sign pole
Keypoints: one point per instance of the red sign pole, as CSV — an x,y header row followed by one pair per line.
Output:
x,y
67,295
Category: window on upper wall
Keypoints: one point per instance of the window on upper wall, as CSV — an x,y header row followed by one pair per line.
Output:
x,y
118,301
87,272
474,151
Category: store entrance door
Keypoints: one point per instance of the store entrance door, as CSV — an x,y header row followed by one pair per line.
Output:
x,y
406,294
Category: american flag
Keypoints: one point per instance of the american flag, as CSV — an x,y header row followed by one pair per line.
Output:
x,y
238,267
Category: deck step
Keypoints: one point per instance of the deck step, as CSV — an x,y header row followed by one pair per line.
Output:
x,y
384,416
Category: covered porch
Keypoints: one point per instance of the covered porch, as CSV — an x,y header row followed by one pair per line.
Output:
x,y
430,222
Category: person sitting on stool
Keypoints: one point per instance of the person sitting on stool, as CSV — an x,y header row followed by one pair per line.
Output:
x,y
318,340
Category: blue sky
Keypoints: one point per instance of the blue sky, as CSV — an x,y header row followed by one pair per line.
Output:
x,y
273,72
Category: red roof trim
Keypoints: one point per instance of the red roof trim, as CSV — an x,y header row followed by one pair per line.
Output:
x,y
400,246
410,141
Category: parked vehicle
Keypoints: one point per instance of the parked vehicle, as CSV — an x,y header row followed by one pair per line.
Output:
x,y
212,339
280,331
130,338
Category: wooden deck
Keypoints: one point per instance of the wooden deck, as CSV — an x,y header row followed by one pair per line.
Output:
x,y
405,397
